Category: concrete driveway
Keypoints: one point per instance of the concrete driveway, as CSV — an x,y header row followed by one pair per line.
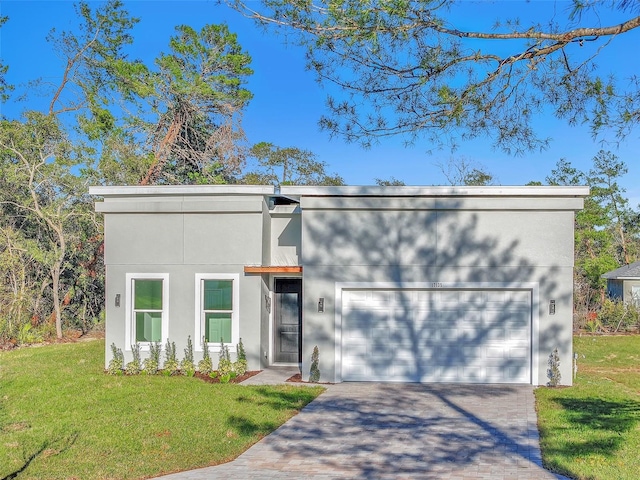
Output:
x,y
373,430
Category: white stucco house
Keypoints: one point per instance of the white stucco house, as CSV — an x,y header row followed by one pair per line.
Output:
x,y
393,284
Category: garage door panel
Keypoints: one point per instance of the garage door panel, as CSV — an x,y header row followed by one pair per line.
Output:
x,y
496,335
496,352
446,334
447,299
437,335
521,297
449,374
474,373
381,297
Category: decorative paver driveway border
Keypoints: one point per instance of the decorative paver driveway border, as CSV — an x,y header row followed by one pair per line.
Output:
x,y
373,430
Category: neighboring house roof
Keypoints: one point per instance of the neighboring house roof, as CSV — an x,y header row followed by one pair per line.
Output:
x,y
628,271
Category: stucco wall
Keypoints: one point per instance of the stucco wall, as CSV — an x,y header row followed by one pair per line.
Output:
x,y
285,235
469,240
183,237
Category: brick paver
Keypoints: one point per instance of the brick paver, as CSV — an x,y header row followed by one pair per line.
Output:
x,y
373,430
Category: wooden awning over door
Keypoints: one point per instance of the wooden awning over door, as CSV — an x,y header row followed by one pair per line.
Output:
x,y
273,269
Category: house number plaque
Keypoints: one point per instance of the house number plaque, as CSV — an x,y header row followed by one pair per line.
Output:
x,y
436,284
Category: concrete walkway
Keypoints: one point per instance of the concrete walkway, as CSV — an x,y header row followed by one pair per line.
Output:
x,y
373,430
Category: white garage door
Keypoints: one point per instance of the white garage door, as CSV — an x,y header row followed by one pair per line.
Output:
x,y
481,336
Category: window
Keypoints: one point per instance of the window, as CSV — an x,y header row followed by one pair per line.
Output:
x,y
217,309
147,307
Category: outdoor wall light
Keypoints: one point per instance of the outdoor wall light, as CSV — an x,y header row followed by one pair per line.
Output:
x,y
117,299
321,305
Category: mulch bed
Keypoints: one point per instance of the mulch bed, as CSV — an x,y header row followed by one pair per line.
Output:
x,y
297,378
238,379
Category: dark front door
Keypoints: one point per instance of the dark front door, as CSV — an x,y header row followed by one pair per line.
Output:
x,y
288,320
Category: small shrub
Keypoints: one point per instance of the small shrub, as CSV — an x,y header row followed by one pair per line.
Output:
x,y
171,366
615,315
28,335
186,365
8,330
205,366
152,363
553,372
224,360
593,326
240,365
134,366
242,355
116,364
314,373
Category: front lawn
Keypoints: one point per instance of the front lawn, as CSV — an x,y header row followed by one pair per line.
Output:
x,y
592,430
62,417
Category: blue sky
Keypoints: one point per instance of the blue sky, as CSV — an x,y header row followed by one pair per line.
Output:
x,y
288,101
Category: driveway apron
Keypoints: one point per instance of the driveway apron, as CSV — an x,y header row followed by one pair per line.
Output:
x,y
373,430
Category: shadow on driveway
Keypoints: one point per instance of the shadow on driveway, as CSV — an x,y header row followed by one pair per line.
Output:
x,y
373,430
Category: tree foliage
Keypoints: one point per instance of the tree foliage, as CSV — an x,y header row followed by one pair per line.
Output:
x,y
463,171
606,233
5,88
111,119
390,182
288,166
176,121
44,216
409,68
96,69
197,96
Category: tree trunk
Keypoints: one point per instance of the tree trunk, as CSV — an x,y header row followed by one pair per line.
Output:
x,y
162,154
55,277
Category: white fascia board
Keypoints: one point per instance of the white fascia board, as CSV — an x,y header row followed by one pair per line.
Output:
x,y
439,191
160,190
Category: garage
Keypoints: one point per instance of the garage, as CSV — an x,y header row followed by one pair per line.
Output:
x,y
463,335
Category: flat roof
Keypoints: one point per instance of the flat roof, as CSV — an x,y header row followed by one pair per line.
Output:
x,y
439,191
343,191
136,190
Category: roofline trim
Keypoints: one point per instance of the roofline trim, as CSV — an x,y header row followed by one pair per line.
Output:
x,y
137,190
342,191
436,191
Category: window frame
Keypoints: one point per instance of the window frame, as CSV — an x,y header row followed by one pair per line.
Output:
x,y
200,312
130,323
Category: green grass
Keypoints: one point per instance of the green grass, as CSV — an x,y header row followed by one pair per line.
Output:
x,y
62,417
592,430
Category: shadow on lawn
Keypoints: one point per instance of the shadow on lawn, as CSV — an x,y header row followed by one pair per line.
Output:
x,y
247,428
606,419
56,446
291,399
281,399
